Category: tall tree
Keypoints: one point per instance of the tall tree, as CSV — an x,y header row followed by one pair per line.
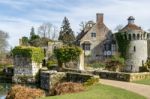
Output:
x,y
25,41
3,42
66,34
82,25
45,30
32,32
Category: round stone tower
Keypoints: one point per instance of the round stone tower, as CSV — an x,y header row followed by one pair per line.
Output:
x,y
136,53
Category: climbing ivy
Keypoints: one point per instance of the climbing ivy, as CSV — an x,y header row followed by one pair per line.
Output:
x,y
35,53
123,44
67,53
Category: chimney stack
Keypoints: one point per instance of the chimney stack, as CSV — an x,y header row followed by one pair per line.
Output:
x,y
99,18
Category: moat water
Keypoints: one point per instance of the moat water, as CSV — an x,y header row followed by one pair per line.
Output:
x,y
4,87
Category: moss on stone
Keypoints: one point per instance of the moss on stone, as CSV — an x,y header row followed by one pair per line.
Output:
x,y
35,53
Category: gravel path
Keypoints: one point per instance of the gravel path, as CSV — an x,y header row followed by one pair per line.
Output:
x,y
141,89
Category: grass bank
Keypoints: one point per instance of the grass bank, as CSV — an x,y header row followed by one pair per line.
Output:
x,y
144,81
100,91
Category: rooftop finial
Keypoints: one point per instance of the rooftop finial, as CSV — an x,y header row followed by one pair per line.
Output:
x,y
131,20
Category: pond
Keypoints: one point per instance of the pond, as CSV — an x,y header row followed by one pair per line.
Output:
x,y
4,87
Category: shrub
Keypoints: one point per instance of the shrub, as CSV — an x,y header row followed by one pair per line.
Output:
x,y
143,69
68,87
97,64
115,63
51,63
146,66
1,72
22,92
67,53
91,81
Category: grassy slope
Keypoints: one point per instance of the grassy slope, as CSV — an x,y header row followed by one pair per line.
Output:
x,y
100,92
145,81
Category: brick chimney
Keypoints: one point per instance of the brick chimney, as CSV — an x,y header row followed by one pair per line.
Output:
x,y
99,18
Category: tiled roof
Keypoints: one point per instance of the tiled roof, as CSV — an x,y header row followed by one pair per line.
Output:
x,y
79,36
131,27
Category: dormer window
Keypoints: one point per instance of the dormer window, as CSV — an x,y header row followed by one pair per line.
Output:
x,y
93,34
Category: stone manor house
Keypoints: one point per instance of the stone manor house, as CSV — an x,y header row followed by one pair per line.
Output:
x,y
98,42
97,39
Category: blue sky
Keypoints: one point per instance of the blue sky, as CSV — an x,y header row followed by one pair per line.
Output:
x,y
18,16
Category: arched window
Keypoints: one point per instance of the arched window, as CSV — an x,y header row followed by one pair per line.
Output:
x,y
129,36
148,36
134,36
138,36
144,35
134,49
141,37
142,62
125,36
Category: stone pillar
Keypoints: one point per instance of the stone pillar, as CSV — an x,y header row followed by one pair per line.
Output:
x,y
81,61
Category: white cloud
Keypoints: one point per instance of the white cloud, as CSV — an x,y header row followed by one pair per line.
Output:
x,y
16,29
34,12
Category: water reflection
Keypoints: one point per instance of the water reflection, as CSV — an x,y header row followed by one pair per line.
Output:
x,y
4,87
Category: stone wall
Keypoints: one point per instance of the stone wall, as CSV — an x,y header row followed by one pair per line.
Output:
x,y
78,77
25,70
24,79
48,79
123,76
52,46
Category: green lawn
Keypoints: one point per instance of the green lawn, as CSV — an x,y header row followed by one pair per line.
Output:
x,y
100,92
145,81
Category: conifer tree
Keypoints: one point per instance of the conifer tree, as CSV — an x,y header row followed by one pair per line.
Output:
x,y
66,34
32,32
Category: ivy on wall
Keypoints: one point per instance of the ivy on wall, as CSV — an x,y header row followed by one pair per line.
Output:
x,y
67,53
123,44
35,53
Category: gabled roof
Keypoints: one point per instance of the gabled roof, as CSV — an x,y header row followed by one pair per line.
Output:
x,y
80,35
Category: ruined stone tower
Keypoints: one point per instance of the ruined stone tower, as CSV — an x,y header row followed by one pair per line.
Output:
x,y
136,53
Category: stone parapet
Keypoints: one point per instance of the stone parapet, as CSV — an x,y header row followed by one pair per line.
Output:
x,y
123,76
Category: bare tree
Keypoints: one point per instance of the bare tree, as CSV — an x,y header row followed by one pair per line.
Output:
x,y
82,25
48,30
119,27
3,41
54,33
45,30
